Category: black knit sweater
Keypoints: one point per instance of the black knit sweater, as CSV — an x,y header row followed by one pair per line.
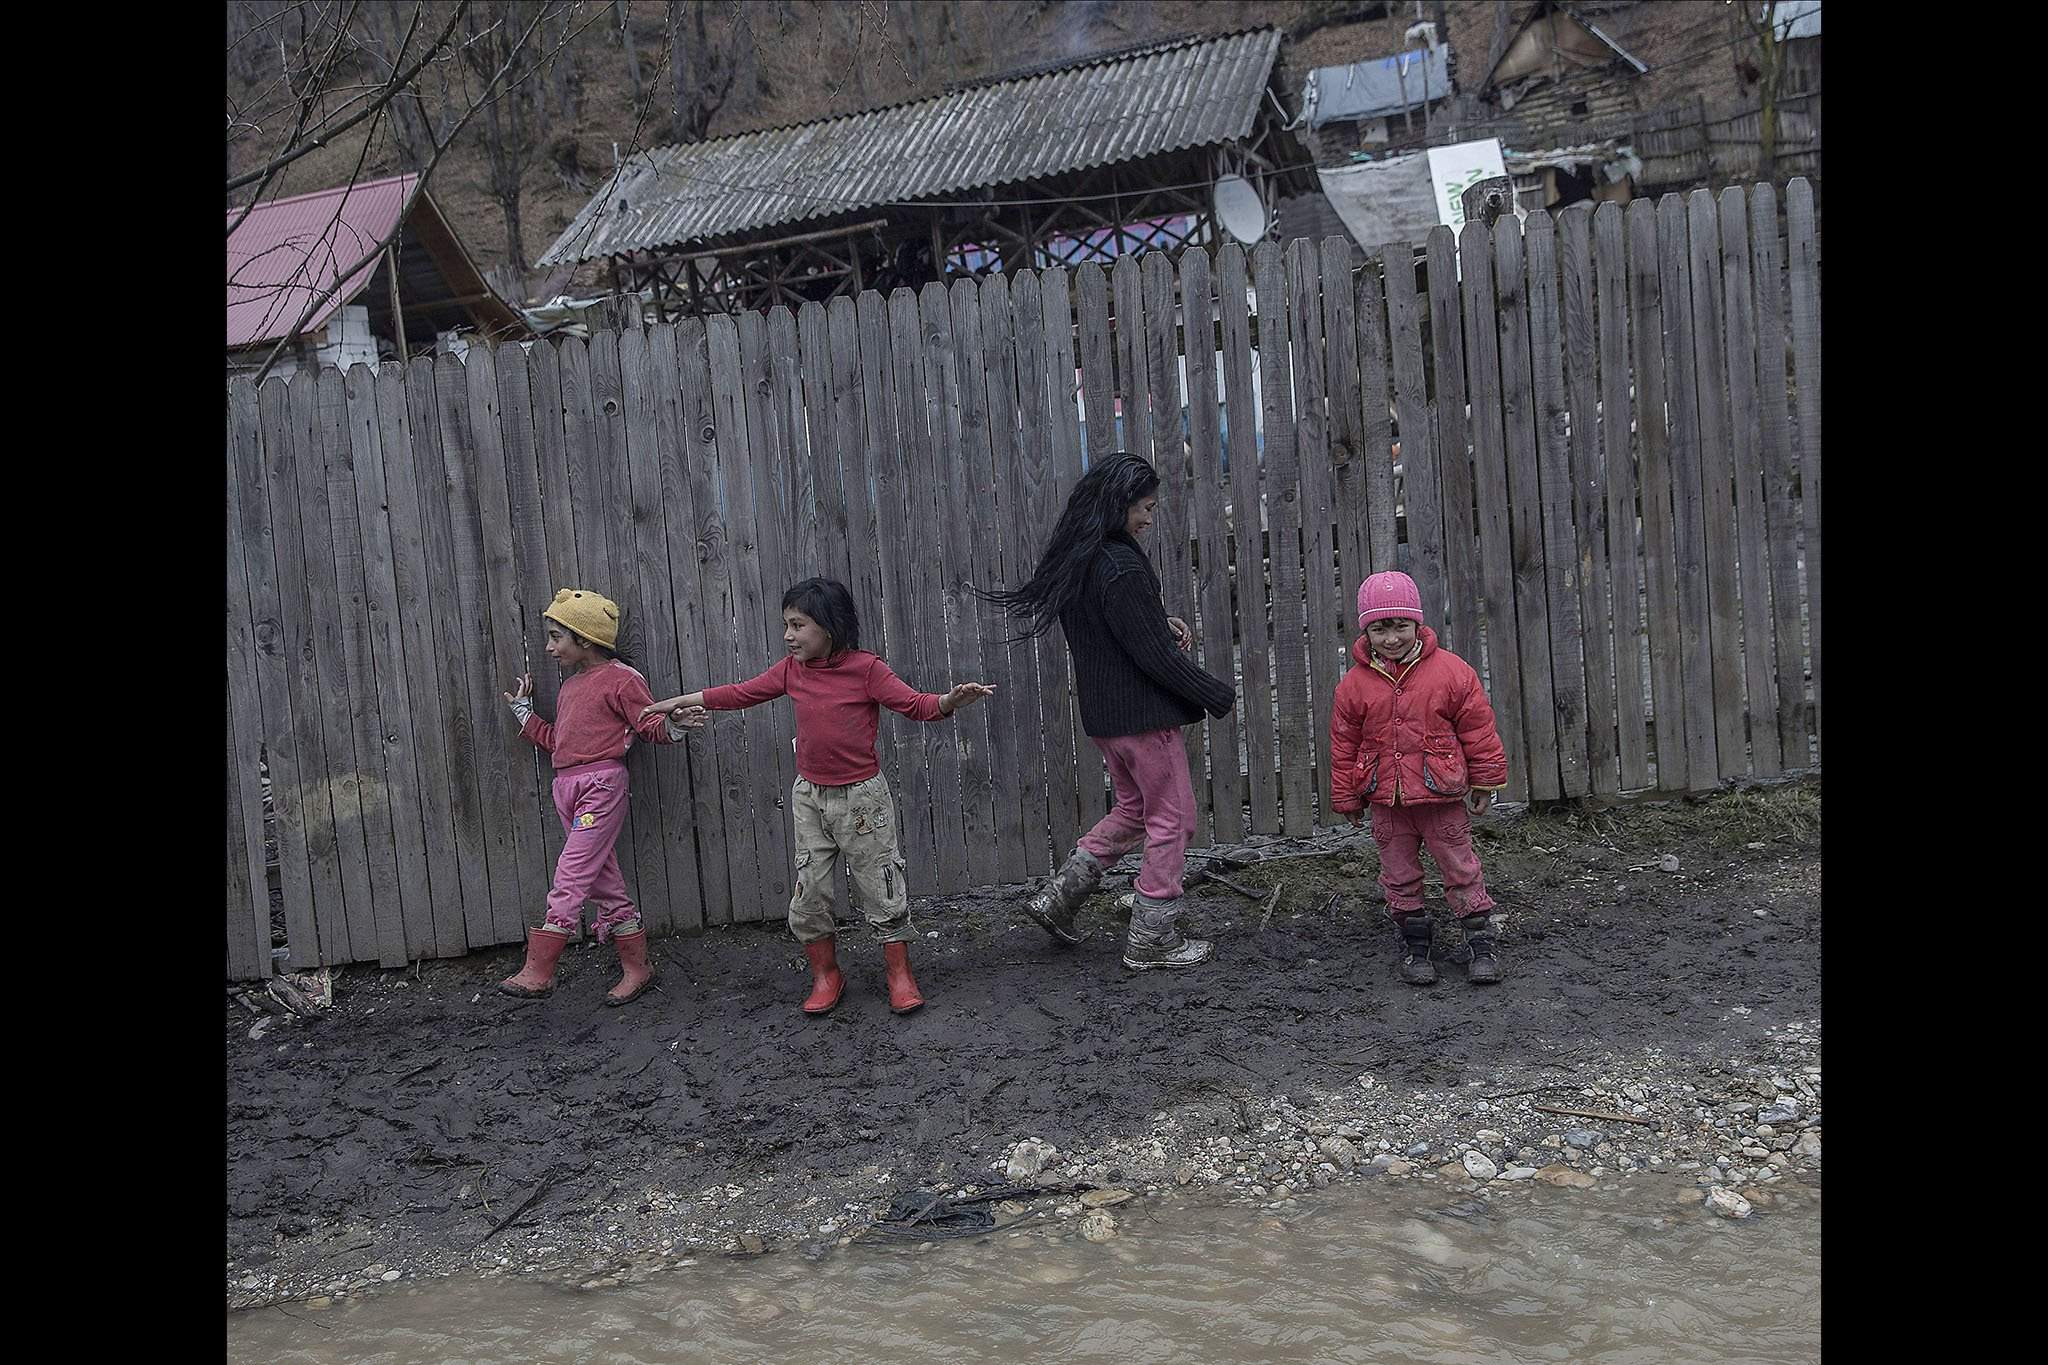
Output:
x,y
1129,674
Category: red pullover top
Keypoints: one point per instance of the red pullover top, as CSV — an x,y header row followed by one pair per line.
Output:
x,y
597,713
838,704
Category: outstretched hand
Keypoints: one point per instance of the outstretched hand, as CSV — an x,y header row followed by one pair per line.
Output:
x,y
683,717
521,689
964,694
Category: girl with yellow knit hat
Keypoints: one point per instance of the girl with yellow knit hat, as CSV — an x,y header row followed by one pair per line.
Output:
x,y
597,715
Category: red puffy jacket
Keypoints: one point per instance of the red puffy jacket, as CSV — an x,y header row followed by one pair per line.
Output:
x,y
1424,734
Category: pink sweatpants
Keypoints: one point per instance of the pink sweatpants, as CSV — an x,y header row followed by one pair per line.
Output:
x,y
1401,831
591,799
1155,801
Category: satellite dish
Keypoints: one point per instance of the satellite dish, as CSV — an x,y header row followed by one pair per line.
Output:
x,y
1239,209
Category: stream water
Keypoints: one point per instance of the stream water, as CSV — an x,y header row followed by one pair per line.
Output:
x,y
1365,1271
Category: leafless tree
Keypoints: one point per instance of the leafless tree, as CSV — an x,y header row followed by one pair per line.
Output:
x,y
514,122
1767,68
713,49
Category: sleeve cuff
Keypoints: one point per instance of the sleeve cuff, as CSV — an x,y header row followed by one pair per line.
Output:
x,y
522,710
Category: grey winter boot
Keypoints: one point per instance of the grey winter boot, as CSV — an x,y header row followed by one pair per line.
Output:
x,y
1484,968
1154,938
1055,904
1417,938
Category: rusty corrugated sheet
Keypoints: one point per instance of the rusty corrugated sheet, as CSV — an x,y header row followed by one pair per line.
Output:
x,y
289,250
1160,99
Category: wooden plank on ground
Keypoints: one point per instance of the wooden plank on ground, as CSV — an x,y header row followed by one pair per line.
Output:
x,y
1560,557
917,572
1247,519
1681,386
1098,369
1717,477
1039,390
322,426
989,762
1745,424
1802,257
1013,719
1524,499
1460,622
964,470
307,869
1490,492
1207,495
415,589
1420,496
1376,396
1091,776
404,923
449,642
1589,494
647,374
1170,457
678,444
1326,648
1653,455
1281,467
717,592
757,600
1610,266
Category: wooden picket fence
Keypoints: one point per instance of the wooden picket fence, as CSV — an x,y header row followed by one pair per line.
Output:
x,y
1609,493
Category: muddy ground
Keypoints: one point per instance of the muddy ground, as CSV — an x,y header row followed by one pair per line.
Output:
x,y
425,1124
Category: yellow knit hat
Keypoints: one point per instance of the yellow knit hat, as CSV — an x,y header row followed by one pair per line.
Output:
x,y
592,615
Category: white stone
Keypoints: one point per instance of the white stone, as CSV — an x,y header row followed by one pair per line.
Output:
x,y
1479,1167
1727,1203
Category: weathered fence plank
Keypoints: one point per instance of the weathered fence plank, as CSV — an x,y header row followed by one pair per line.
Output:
x,y
1091,777
1681,386
1207,493
1247,517
1490,480
1780,473
1753,569
919,573
938,494
1312,447
1098,367
1717,478
1589,494
1419,494
1610,266
1802,256
1376,393
967,473
1653,454
1281,475
1133,388
1460,623
248,939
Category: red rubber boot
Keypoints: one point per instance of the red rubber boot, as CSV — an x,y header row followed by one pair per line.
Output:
x,y
536,980
826,983
903,992
633,962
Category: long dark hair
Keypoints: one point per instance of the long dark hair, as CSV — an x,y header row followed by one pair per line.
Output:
x,y
1095,511
826,601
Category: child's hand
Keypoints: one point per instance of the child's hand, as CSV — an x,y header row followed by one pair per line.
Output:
x,y
1479,801
686,717
670,705
964,694
520,689
1356,817
1182,636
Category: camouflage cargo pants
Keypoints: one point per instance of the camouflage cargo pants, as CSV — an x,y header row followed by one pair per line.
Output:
x,y
856,822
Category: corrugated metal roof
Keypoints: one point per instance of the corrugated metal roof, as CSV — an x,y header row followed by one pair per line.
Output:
x,y
1188,93
288,251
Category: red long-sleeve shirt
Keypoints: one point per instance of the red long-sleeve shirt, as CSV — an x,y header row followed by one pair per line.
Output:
x,y
838,705
597,714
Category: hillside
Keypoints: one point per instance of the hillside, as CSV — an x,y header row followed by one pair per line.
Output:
x,y
791,61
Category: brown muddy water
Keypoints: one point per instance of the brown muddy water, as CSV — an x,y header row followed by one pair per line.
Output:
x,y
1360,1273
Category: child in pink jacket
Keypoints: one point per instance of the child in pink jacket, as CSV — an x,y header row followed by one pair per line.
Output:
x,y
1412,736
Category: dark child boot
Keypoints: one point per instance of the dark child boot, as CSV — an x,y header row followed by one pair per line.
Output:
x,y
1154,938
1057,902
536,980
903,992
633,963
826,982
1417,938
1484,968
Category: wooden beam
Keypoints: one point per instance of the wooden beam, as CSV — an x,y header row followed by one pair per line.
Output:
x,y
397,313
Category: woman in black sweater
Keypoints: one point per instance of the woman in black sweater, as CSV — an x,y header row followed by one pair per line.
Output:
x,y
1136,689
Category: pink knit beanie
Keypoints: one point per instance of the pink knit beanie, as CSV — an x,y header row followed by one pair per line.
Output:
x,y
1389,595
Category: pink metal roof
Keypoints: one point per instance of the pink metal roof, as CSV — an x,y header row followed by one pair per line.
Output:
x,y
289,250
